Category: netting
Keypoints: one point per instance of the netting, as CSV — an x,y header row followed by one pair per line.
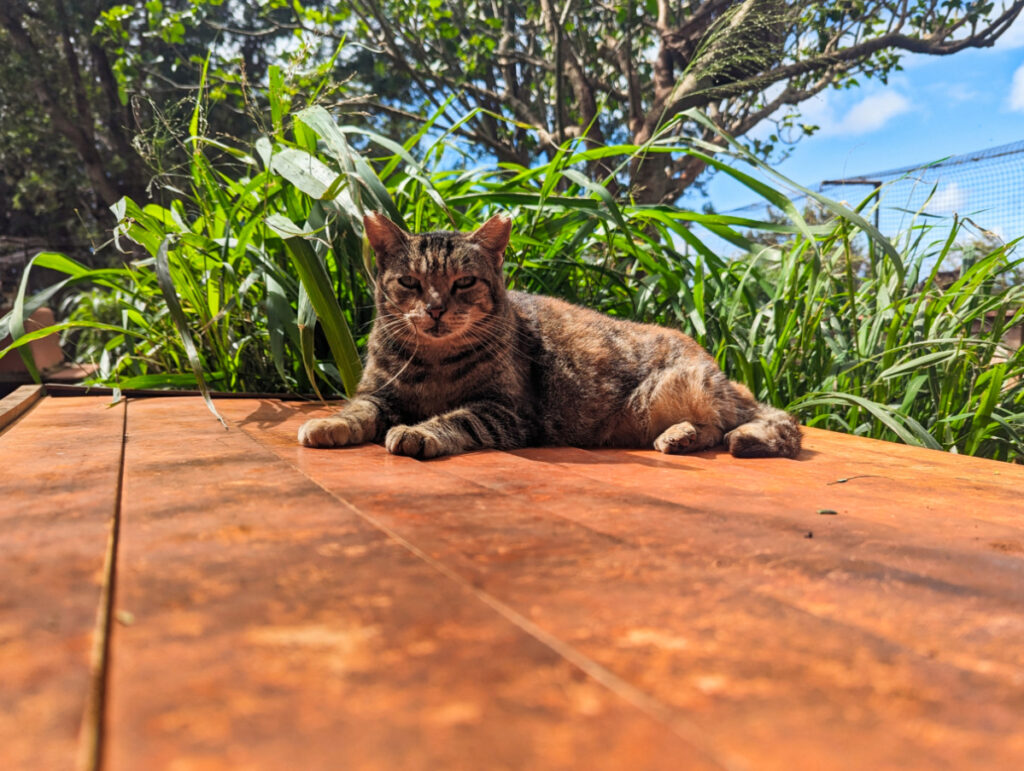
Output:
x,y
987,186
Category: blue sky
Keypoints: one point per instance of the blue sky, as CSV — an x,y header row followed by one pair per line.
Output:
x,y
935,107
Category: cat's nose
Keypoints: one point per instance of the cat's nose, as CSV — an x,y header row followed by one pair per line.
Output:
x,y
435,311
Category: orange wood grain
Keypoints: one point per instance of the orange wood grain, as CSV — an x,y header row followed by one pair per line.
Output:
x,y
272,627
283,607
59,468
17,403
896,633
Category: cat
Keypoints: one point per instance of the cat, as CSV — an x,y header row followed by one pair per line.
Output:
x,y
458,363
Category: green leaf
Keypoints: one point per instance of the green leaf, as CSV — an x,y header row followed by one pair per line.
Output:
x,y
306,338
278,103
918,362
914,435
167,287
307,172
39,334
317,282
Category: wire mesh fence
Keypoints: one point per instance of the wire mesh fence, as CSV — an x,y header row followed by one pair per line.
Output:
x,y
986,186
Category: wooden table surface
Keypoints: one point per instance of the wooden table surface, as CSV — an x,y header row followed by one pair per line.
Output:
x,y
180,596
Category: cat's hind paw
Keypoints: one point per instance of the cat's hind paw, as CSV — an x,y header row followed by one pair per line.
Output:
x,y
676,439
415,442
686,437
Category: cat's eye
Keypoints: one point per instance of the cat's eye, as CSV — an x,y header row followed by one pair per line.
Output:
x,y
409,282
465,282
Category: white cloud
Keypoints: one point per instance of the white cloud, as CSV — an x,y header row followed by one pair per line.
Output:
x,y
818,110
948,199
1013,37
954,93
872,113
869,114
1016,100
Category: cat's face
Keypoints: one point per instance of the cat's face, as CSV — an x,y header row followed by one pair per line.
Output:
x,y
435,288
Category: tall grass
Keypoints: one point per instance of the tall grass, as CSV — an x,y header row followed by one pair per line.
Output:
x,y
257,279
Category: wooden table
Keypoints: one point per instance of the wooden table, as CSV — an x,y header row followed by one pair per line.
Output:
x,y
180,596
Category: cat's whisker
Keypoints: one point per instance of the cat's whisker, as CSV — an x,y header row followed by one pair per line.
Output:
x,y
506,369
397,374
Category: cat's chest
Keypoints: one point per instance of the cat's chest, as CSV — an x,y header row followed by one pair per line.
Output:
x,y
431,391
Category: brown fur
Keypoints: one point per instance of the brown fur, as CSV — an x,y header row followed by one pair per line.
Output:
x,y
458,363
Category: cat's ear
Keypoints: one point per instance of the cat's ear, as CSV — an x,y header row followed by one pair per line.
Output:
x,y
492,237
385,236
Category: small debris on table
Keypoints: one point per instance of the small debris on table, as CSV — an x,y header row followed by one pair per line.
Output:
x,y
844,480
125,617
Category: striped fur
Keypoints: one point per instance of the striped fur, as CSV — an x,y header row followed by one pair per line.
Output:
x,y
457,363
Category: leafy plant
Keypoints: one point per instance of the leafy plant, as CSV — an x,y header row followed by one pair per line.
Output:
x,y
258,280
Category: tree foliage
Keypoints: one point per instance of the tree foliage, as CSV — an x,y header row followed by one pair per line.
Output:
x,y
53,150
620,70
240,275
95,98
95,95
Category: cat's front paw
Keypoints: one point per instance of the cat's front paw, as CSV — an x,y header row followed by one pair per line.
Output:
x,y
330,432
414,441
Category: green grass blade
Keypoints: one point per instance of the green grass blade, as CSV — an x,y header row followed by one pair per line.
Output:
x,y
166,282
919,437
16,322
317,282
309,357
39,334
307,172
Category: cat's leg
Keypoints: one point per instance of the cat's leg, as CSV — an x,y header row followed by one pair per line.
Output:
x,y
760,430
361,420
687,437
683,409
474,426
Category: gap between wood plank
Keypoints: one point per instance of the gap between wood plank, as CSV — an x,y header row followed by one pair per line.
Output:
x,y
91,733
867,631
592,474
625,690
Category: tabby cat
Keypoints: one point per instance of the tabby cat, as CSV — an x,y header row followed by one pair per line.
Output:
x,y
457,363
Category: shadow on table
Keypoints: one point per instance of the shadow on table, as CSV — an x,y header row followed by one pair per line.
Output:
x,y
638,456
272,412
649,458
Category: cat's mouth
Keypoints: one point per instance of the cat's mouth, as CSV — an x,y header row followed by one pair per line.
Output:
x,y
441,329
437,331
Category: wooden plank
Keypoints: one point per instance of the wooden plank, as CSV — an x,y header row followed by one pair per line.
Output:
x,y
59,469
17,403
267,625
691,579
866,491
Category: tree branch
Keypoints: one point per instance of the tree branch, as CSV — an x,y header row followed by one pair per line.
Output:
x,y
687,95
50,101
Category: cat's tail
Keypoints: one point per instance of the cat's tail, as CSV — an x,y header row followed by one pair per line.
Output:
x,y
768,433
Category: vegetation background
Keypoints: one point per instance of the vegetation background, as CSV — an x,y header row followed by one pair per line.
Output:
x,y
203,167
